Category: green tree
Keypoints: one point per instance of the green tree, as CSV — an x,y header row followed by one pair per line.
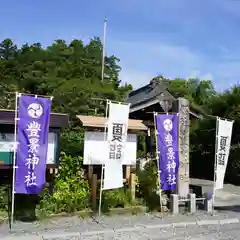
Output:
x,y
225,105
71,73
198,92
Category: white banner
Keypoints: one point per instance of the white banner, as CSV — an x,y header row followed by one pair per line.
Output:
x,y
116,138
113,175
94,144
224,136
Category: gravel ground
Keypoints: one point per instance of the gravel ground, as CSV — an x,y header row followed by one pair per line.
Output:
x,y
139,227
230,231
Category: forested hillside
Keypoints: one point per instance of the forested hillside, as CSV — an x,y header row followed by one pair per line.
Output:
x,y
71,72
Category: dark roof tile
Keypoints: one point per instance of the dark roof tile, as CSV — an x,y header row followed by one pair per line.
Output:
x,y
148,92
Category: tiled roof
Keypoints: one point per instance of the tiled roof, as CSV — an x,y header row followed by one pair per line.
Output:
x,y
155,91
149,92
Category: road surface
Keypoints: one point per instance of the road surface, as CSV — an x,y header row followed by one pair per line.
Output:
x,y
223,225
200,226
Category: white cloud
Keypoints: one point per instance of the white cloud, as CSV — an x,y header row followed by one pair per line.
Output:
x,y
199,75
207,76
137,78
173,57
141,61
168,51
190,43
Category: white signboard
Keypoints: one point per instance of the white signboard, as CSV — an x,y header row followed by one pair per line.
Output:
x,y
7,144
52,142
95,149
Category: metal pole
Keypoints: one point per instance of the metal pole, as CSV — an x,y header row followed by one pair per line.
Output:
x,y
215,164
106,114
158,161
103,165
14,157
104,48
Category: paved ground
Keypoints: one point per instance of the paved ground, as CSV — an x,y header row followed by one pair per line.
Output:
x,y
201,226
229,196
223,225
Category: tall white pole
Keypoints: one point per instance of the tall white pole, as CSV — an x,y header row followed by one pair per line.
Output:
x,y
158,161
14,156
103,165
215,164
104,47
106,113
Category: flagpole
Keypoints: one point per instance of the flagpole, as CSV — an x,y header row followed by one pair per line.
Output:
x,y
104,47
14,157
215,165
106,113
158,161
103,165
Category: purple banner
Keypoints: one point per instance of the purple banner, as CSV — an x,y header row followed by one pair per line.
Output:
x,y
167,132
32,138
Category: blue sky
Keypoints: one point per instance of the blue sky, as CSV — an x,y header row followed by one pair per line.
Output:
x,y
175,38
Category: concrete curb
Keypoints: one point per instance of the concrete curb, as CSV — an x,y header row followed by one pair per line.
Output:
x,y
78,235
27,237
74,235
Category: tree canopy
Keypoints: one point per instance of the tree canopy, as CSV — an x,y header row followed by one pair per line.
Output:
x,y
71,73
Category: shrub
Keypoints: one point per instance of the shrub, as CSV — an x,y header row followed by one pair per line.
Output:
x,y
3,198
147,179
147,185
71,189
115,198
